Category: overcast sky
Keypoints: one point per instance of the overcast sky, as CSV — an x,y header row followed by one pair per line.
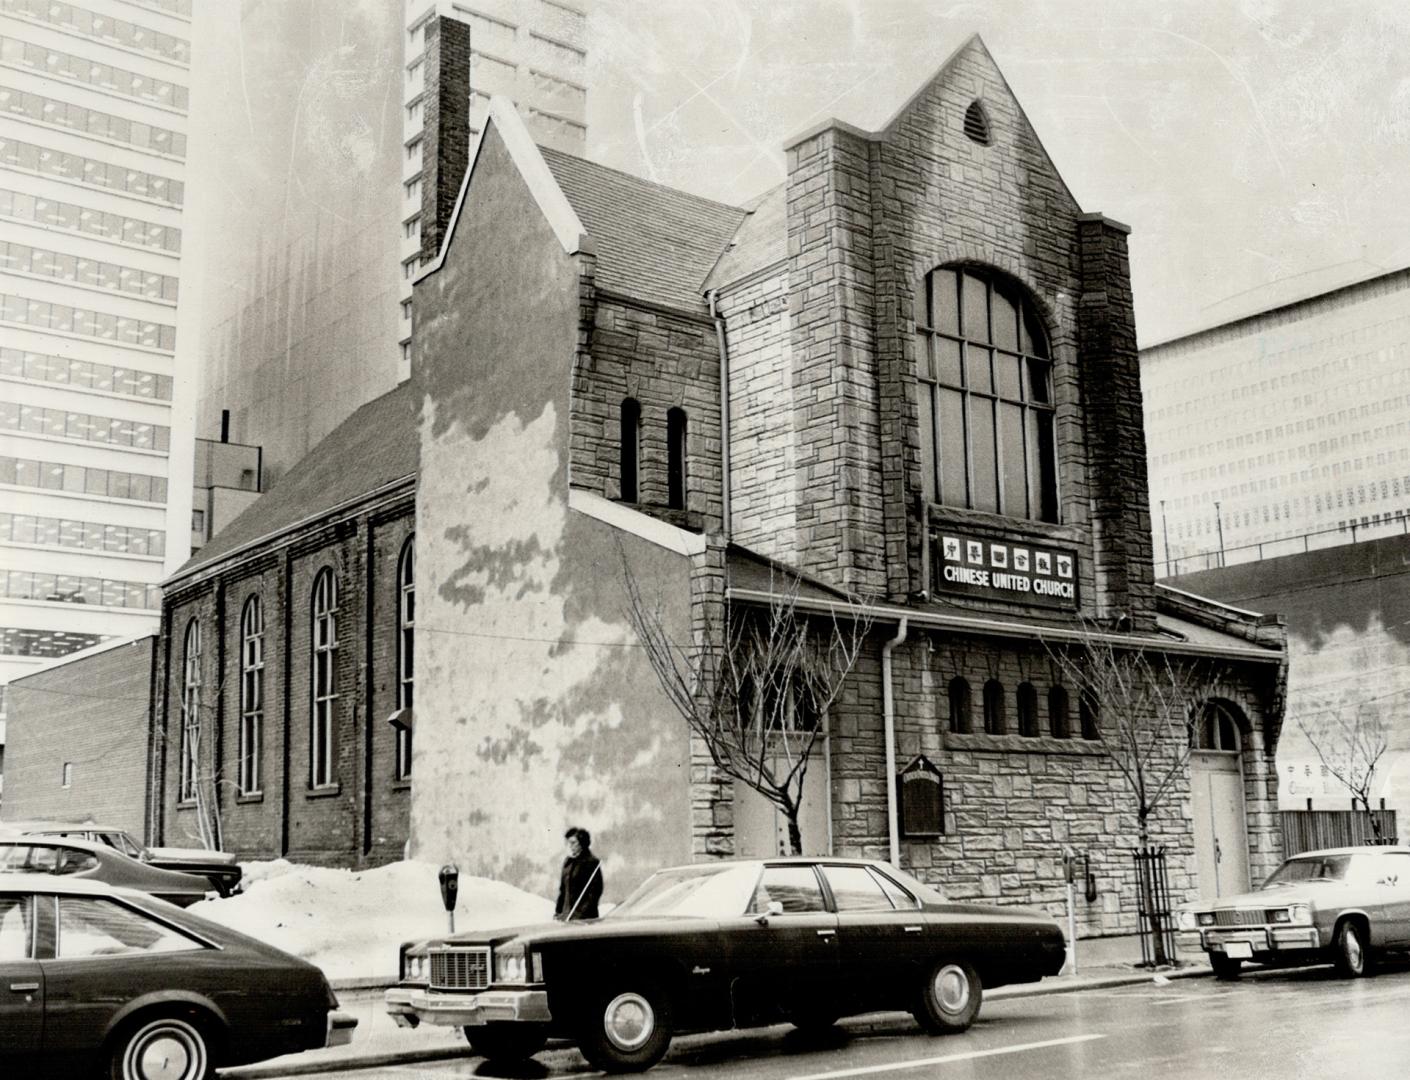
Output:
x,y
1256,147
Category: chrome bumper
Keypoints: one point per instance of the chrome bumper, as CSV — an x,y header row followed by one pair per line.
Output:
x,y
410,1006
341,1026
1261,939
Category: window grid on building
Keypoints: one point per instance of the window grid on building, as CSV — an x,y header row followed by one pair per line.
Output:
x,y
92,122
82,480
117,32
84,374
89,535
61,65
80,589
987,418
113,227
66,319
251,695
406,651
60,424
30,157
88,273
23,641
190,711
325,679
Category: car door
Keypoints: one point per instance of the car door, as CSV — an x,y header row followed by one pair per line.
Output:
x,y
786,960
880,935
1392,896
21,986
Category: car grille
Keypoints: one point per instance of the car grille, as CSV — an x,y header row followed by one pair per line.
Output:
x,y
460,969
1243,917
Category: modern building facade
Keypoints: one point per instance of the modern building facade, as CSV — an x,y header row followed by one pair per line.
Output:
x,y
1283,431
907,374
533,52
94,100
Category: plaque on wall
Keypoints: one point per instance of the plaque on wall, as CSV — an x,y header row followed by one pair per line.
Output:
x,y
1038,575
922,791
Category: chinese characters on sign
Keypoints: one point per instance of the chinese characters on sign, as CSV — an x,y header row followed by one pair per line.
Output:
x,y
997,570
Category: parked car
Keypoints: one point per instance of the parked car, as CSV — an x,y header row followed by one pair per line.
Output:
x,y
1340,906
219,867
101,977
64,856
722,945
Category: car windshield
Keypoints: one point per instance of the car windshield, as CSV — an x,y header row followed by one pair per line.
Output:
x,y
706,892
1312,868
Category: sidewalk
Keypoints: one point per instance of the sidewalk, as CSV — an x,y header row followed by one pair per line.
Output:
x,y
378,1041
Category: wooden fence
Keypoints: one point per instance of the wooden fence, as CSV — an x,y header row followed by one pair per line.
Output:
x,y
1308,830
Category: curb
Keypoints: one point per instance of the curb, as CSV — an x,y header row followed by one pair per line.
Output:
x,y
877,1021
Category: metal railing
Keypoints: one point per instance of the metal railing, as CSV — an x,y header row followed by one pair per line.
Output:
x,y
1337,536
1153,906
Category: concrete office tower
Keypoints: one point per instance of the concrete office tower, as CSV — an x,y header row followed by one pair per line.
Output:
x,y
93,122
1282,431
530,51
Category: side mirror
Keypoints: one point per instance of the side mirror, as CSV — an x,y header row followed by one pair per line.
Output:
x,y
774,908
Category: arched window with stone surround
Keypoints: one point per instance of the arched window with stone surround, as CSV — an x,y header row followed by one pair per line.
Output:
x,y
406,651
677,460
1027,698
1059,722
1089,715
987,432
324,677
630,448
1217,728
190,712
251,696
958,693
995,718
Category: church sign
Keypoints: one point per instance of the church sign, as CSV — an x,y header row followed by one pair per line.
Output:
x,y
922,790
1022,573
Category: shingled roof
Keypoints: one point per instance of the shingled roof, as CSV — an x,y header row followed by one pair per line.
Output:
x,y
372,448
652,242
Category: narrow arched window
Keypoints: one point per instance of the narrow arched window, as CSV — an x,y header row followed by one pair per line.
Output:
x,y
324,638
190,712
1089,714
406,652
1217,728
960,722
995,721
676,459
630,448
251,696
987,431
1059,723
1027,710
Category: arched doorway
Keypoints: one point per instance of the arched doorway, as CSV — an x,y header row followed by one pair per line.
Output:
x,y
1217,800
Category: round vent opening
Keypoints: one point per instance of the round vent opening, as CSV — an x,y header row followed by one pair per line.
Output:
x,y
976,123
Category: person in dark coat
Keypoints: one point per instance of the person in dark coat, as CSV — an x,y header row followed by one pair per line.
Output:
x,y
580,887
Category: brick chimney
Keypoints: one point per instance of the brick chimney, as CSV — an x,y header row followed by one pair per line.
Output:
x,y
445,143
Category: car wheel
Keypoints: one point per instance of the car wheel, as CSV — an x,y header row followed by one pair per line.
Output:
x,y
949,998
1353,951
161,1048
506,1042
627,1030
1225,967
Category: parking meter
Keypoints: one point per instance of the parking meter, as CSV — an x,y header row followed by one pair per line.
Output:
x,y
450,889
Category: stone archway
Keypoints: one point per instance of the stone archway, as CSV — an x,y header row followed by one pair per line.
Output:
x,y
1218,814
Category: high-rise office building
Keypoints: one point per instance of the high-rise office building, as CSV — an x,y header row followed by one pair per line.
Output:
x,y
533,52
93,122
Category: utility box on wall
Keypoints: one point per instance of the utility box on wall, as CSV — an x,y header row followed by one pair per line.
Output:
x,y
922,789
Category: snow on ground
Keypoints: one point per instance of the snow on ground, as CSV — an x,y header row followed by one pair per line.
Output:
x,y
351,922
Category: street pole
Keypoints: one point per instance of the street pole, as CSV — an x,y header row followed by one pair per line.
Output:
x,y
1219,524
1165,532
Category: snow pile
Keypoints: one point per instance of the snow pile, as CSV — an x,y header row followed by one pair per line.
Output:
x,y
351,922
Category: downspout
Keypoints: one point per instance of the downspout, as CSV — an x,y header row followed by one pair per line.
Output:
x,y
888,712
713,295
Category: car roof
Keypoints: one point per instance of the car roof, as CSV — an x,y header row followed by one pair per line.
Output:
x,y
1362,849
774,860
60,883
49,840
50,830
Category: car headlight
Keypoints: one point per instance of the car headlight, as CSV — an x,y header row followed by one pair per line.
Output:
x,y
415,968
1206,918
1300,914
1185,920
510,965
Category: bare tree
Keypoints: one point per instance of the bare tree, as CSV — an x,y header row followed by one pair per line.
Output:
x,y
1349,737
755,684
205,783
1140,705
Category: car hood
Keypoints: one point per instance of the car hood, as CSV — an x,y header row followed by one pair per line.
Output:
x,y
195,855
1279,896
584,929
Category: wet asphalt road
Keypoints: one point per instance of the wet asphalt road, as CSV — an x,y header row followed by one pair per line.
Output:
x,y
1281,1026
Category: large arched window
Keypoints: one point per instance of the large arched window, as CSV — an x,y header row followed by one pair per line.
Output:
x,y
1217,728
986,418
995,720
406,650
630,448
1027,709
190,712
251,695
676,459
960,722
324,678
1059,722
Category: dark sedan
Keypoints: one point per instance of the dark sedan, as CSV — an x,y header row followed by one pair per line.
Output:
x,y
85,860
94,976
219,867
723,945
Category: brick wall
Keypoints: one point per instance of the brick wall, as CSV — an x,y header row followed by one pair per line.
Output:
x,y
445,140
363,816
94,714
664,360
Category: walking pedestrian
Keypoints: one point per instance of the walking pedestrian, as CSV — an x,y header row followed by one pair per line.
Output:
x,y
580,885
